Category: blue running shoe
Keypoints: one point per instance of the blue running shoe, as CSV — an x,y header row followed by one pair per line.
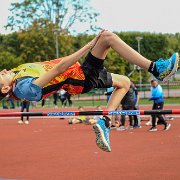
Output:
x,y
102,135
167,68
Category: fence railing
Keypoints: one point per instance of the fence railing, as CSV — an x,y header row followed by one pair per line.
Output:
x,y
170,89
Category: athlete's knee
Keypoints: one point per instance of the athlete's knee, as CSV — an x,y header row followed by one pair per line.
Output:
x,y
126,83
121,81
107,37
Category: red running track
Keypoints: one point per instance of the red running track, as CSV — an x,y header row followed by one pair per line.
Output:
x,y
50,149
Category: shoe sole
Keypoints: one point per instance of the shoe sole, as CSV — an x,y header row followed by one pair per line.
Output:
x,y
120,129
20,122
112,128
153,130
129,128
167,127
148,124
100,139
173,70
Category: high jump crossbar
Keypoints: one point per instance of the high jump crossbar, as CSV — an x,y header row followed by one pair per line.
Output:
x,y
86,113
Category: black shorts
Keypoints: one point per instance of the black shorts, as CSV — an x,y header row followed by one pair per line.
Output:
x,y
96,75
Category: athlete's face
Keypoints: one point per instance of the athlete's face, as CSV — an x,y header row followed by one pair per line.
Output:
x,y
6,77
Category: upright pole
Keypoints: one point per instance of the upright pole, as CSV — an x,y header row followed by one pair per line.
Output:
x,y
57,45
56,31
139,50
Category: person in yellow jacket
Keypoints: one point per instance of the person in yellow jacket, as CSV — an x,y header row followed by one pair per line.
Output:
x,y
88,120
78,119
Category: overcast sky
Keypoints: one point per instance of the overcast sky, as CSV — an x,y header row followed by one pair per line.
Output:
x,y
159,16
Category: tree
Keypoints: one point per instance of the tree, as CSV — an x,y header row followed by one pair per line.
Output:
x,y
10,51
173,43
9,60
38,42
63,13
10,43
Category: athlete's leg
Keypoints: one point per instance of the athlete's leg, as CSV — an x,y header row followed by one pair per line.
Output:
x,y
109,39
161,69
121,84
102,127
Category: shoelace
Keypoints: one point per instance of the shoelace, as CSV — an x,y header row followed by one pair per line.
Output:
x,y
161,65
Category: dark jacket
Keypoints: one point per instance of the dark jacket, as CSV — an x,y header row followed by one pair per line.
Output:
x,y
128,99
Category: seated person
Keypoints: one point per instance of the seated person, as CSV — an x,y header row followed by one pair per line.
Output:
x,y
82,119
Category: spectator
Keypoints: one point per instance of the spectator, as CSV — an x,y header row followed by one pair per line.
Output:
x,y
166,118
108,92
137,120
43,102
12,104
82,119
24,105
55,97
8,102
68,99
33,104
62,97
158,103
78,119
65,97
97,117
4,103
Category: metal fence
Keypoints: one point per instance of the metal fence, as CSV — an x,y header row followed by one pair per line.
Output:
x,y
170,89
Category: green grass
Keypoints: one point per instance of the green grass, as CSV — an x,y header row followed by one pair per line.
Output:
x,y
104,103
166,101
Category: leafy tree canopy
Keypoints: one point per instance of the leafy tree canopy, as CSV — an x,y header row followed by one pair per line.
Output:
x,y
63,13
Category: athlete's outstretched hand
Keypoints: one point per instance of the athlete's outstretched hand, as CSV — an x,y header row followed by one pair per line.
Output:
x,y
93,42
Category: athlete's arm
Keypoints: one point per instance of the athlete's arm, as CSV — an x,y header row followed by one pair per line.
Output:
x,y
65,63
